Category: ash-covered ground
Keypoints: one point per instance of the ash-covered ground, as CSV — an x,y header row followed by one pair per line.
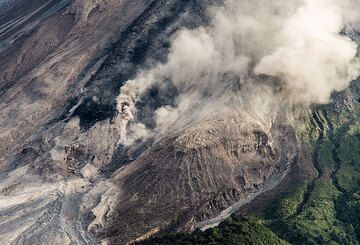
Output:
x,y
94,149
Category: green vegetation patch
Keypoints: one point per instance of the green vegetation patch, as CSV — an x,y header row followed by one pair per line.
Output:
x,y
326,155
349,155
325,211
287,206
234,230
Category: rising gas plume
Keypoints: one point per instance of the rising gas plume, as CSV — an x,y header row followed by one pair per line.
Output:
x,y
254,54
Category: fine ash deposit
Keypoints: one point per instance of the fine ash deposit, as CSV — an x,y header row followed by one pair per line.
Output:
x,y
123,119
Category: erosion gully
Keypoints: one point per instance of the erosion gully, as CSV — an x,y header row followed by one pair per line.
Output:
x,y
336,143
315,157
323,126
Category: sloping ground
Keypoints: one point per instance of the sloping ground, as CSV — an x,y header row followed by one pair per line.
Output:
x,y
18,17
322,211
45,199
65,180
194,175
51,64
60,138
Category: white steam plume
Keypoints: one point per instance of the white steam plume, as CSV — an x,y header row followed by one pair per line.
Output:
x,y
295,45
311,56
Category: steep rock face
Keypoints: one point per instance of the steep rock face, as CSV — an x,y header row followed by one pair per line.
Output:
x,y
60,181
193,175
49,62
55,176
49,179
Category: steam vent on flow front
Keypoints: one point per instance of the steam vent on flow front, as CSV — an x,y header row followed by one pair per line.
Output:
x,y
179,122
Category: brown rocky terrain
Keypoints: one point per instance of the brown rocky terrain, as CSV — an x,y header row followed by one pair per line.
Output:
x,y
186,180
68,175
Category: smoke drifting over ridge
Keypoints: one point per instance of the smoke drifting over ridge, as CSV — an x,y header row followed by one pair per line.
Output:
x,y
253,54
